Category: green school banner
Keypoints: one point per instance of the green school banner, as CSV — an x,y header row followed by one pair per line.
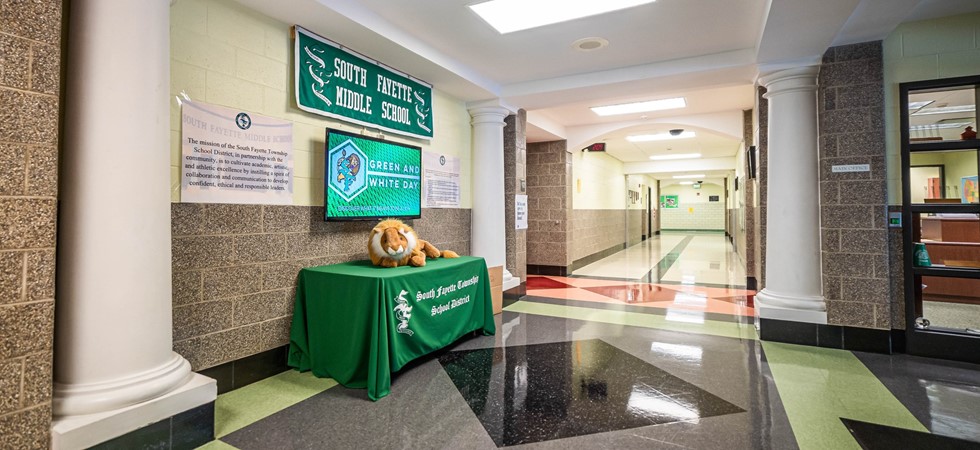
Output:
x,y
335,82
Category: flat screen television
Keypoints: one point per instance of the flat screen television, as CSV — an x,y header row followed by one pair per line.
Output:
x,y
370,179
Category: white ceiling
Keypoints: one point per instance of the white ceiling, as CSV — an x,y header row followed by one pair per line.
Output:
x,y
709,51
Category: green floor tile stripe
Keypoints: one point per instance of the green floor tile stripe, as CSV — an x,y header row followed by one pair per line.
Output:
x,y
709,327
217,445
818,386
239,408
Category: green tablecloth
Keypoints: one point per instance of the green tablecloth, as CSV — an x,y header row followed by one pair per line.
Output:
x,y
358,323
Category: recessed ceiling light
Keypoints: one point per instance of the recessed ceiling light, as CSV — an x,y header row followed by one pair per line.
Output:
x,y
515,15
675,156
589,44
680,177
628,108
660,136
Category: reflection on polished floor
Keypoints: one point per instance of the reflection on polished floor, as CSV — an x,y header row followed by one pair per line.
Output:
x,y
619,363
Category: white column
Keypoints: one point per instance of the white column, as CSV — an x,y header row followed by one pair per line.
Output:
x,y
793,288
113,330
489,235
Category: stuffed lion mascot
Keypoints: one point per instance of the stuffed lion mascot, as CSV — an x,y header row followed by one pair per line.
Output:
x,y
393,244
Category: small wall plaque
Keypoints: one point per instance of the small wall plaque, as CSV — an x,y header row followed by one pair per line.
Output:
x,y
841,168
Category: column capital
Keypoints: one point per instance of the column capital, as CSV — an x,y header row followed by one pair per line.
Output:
x,y
493,115
790,80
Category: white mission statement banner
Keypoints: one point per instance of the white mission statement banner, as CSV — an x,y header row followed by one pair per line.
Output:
x,y
230,156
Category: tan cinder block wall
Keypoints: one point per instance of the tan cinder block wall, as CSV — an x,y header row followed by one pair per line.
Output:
x,y
30,67
235,267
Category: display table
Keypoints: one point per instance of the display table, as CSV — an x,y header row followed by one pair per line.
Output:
x,y
358,323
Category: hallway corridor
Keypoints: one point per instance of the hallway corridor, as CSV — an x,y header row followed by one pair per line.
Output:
x,y
659,350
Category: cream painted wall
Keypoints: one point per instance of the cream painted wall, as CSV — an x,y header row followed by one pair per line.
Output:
x,y
597,181
229,55
686,194
924,50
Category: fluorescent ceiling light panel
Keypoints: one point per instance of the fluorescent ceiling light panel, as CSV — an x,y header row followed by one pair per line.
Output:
x,y
681,177
660,137
638,107
945,110
675,156
514,15
686,182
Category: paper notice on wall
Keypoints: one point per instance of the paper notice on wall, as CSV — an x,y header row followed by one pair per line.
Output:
x,y
520,211
440,184
230,156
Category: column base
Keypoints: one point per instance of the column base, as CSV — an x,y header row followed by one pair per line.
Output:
x,y
79,399
84,431
509,281
811,309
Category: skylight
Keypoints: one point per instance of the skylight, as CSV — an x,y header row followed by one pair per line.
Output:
x,y
638,107
514,15
675,156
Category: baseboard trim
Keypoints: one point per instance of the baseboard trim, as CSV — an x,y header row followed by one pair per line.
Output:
x,y
751,283
189,429
555,271
242,372
582,262
832,336
514,295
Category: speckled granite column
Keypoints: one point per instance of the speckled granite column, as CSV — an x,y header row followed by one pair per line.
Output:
x,y
549,204
749,206
855,240
762,185
30,51
515,182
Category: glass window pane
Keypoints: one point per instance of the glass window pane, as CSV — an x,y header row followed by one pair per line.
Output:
x,y
951,303
944,177
950,240
941,115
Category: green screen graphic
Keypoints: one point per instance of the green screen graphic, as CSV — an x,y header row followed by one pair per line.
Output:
x,y
369,178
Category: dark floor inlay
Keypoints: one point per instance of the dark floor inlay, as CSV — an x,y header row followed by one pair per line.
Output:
x,y
533,393
872,436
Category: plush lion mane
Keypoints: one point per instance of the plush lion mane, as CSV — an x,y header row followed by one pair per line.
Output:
x,y
393,243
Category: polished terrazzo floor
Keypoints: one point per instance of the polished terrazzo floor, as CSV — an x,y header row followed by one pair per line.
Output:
x,y
621,363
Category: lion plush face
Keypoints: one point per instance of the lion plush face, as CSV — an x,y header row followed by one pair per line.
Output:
x,y
393,240
393,244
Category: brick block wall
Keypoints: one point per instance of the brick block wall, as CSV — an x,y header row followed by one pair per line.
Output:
x,y
595,230
706,216
515,171
549,204
853,230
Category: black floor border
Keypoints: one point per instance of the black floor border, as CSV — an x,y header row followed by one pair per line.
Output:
x,y
748,320
873,436
832,336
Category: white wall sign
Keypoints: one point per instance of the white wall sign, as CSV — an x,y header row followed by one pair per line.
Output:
x,y
230,156
850,168
520,212
440,182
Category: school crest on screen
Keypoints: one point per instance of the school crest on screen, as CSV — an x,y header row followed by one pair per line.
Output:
x,y
350,178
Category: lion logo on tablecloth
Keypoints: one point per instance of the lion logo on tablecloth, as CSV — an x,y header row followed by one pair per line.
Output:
x,y
403,312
